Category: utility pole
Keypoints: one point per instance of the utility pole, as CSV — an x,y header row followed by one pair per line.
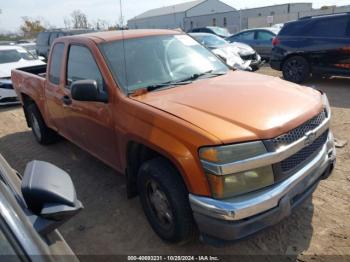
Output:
x,y
174,17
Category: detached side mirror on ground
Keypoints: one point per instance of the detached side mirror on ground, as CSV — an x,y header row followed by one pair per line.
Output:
x,y
87,90
50,194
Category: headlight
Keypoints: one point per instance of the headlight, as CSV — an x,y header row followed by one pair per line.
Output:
x,y
240,183
225,186
232,153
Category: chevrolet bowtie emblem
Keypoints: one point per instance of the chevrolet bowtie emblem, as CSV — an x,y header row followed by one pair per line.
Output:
x,y
310,138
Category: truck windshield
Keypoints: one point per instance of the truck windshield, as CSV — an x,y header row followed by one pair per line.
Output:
x,y
157,60
14,55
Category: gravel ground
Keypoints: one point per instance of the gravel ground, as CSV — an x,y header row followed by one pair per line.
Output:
x,y
110,224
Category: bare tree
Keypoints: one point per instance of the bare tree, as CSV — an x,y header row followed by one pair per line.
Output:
x,y
100,24
79,19
67,22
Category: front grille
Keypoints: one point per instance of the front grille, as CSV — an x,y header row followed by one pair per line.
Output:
x,y
289,166
299,132
307,152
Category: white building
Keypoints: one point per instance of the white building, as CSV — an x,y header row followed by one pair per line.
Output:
x,y
176,16
203,13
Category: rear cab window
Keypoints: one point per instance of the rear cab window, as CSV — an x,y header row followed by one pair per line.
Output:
x,y
56,63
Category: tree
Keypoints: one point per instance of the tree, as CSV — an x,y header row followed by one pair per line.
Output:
x,y
100,24
67,23
79,20
31,27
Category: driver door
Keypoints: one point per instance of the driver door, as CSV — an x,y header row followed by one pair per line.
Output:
x,y
90,124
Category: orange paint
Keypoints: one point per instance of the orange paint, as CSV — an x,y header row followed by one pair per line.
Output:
x,y
233,108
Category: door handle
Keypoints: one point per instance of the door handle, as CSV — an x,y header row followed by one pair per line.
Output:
x,y
66,101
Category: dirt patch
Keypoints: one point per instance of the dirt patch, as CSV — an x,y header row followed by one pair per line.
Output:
x,y
111,224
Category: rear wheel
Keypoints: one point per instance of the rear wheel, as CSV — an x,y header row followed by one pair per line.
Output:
x,y
164,199
42,133
296,69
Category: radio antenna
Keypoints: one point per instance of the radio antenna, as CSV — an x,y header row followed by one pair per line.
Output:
x,y
123,39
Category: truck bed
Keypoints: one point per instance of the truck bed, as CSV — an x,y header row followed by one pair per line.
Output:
x,y
30,82
39,70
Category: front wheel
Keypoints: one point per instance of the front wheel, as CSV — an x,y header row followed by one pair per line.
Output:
x,y
296,69
164,199
42,133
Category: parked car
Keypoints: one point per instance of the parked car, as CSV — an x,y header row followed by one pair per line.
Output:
x,y
236,55
229,151
45,39
215,30
31,48
260,39
32,207
313,46
12,57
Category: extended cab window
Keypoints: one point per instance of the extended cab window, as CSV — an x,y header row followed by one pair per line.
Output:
x,y
82,66
55,63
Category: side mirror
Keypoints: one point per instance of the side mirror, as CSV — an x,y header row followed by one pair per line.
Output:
x,y
87,90
49,193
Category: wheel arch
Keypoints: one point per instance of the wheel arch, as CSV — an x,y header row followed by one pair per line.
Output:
x,y
27,100
138,152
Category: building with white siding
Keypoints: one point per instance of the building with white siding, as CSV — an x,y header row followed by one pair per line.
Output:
x,y
174,16
203,13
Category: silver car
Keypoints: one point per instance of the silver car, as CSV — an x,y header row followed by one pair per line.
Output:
x,y
260,39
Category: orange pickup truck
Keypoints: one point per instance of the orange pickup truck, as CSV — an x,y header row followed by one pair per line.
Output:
x,y
204,147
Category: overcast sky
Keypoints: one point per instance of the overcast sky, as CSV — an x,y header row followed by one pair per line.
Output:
x,y
53,12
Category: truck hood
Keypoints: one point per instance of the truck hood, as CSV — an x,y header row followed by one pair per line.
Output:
x,y
239,106
5,69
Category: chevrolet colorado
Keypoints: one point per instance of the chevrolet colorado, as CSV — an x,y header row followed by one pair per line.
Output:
x,y
227,152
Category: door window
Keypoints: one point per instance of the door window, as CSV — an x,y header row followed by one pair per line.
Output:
x,y
55,63
330,27
247,35
53,36
264,36
82,66
43,38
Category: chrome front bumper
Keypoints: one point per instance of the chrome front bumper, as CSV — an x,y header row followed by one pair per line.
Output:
x,y
252,204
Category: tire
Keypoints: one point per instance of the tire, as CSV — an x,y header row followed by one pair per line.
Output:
x,y
159,184
296,69
42,133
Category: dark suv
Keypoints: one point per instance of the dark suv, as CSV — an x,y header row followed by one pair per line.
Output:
x,y
318,46
45,39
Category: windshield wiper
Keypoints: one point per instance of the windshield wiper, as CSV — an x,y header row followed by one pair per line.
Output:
x,y
185,81
151,88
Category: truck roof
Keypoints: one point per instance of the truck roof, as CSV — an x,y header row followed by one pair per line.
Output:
x,y
108,36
